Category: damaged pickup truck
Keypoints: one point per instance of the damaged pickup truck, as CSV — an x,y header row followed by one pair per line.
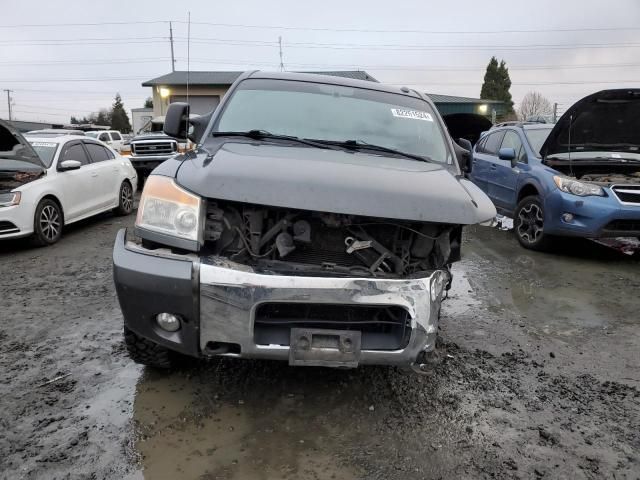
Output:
x,y
315,222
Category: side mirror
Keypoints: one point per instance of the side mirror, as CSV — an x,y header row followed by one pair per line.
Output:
x,y
464,155
69,165
176,121
507,154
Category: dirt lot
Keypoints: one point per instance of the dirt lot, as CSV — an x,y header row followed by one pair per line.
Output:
x,y
539,378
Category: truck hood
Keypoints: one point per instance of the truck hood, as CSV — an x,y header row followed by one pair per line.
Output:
x,y
153,136
334,181
19,162
608,120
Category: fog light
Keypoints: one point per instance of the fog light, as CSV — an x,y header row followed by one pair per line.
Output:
x,y
567,217
168,322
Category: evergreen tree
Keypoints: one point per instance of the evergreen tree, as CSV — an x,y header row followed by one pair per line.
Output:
x,y
497,84
119,117
148,103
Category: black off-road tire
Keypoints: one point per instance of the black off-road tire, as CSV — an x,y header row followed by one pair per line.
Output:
x,y
528,225
146,352
125,199
47,223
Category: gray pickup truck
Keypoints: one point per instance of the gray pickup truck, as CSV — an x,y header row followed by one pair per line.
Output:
x,y
315,222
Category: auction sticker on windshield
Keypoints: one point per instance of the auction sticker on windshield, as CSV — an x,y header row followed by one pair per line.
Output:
x,y
43,144
414,114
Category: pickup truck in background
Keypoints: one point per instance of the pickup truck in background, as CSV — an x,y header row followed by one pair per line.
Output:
x,y
150,147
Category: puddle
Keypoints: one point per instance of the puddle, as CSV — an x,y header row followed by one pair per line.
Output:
x,y
187,430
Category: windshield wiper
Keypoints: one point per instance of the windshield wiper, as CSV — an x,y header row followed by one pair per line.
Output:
x,y
265,135
360,145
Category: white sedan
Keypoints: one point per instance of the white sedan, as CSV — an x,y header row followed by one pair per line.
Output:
x,y
47,183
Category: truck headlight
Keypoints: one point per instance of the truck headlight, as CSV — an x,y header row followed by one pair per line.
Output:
x,y
168,209
9,199
582,189
125,149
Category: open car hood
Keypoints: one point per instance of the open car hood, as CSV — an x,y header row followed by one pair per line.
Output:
x,y
19,162
334,181
608,120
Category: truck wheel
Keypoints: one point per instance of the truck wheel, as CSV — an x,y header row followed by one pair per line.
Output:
x,y
146,352
47,223
529,224
125,199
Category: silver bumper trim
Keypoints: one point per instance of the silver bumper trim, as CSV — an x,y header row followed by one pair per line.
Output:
x,y
230,294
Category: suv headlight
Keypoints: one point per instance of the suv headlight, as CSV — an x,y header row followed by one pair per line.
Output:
x,y
9,199
582,189
170,210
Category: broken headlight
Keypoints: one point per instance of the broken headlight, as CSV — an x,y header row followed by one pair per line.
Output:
x,y
170,210
582,189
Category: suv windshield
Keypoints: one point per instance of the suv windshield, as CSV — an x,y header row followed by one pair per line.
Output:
x,y
536,137
335,113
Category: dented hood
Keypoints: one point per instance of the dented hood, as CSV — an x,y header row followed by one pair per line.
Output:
x,y
19,162
608,120
336,181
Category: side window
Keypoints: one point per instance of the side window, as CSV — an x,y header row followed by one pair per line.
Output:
x,y
104,137
109,153
116,136
75,152
480,146
492,145
512,140
97,152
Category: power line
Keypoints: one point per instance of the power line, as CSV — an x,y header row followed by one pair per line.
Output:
x,y
94,24
49,80
327,29
114,61
435,32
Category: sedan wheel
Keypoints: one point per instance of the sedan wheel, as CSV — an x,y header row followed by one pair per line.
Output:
x,y
47,223
125,201
529,224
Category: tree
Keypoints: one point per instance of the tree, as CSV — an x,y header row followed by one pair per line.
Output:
x,y
534,104
148,103
119,117
497,84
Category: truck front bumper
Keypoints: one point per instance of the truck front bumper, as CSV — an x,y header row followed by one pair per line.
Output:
x,y
218,300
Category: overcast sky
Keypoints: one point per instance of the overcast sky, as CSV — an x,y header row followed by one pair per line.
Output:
x,y
564,49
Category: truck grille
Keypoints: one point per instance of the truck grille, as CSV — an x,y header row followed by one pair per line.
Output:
x,y
627,193
382,328
153,148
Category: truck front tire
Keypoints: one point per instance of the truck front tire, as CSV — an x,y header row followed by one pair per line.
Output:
x,y
146,352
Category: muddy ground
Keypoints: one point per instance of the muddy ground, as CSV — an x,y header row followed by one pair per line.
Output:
x,y
538,378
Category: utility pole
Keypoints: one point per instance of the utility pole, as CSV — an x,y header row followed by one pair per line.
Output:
x,y
9,101
281,60
555,112
173,60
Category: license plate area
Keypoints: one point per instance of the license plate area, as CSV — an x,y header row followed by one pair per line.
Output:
x,y
324,348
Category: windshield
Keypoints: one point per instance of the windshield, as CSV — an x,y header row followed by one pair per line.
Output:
x,y
92,134
335,113
536,137
46,151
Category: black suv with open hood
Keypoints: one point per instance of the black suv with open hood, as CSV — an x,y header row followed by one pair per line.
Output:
x,y
315,222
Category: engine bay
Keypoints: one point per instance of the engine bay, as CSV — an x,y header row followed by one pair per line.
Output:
x,y
303,242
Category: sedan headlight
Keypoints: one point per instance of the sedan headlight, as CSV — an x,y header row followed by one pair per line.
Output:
x,y
582,189
9,199
168,209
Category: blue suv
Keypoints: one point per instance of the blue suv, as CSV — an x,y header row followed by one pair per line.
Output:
x,y
579,177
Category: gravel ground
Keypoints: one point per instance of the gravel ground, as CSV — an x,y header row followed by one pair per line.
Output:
x,y
538,378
